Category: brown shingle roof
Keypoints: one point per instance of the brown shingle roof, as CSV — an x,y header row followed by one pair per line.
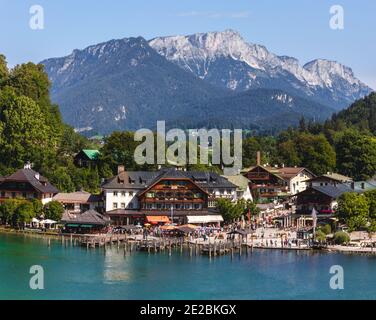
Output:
x,y
88,217
38,182
77,197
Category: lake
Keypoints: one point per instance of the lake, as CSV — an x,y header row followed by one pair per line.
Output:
x,y
78,273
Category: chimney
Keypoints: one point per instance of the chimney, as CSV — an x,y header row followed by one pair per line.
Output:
x,y
27,165
258,158
121,168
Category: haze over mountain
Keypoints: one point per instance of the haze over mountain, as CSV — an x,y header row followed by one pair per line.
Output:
x,y
214,79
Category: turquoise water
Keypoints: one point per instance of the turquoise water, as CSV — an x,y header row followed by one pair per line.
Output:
x,y
77,273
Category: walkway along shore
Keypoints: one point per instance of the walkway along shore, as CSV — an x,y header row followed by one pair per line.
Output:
x,y
212,248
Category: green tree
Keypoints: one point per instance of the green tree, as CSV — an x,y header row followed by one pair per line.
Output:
x,y
371,200
250,148
7,209
356,155
23,214
37,207
53,210
61,179
306,150
4,72
327,229
341,237
353,209
320,236
231,211
119,149
23,132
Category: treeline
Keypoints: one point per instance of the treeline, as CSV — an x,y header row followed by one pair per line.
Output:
x,y
345,144
358,211
18,212
31,129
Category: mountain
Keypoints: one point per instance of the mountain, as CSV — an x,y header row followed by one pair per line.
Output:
x,y
213,80
123,84
226,60
263,110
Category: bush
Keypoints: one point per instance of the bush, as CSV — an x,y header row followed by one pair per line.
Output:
x,y
327,229
341,237
320,236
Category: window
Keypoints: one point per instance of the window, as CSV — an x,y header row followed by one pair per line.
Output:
x,y
130,206
122,205
13,194
115,193
131,193
115,205
23,194
123,193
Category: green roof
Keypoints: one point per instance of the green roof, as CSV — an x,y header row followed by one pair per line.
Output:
x,y
91,154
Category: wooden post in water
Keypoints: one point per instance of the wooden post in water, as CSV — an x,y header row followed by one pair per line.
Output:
x,y
210,252
71,239
62,239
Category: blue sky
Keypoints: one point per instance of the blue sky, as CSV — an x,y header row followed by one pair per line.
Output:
x,y
298,28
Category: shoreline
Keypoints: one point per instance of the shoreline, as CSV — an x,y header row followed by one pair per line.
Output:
x,y
330,249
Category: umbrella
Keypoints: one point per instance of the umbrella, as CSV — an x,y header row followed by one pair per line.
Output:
x,y
47,221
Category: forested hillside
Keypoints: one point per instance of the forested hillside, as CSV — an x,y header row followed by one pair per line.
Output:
x,y
31,129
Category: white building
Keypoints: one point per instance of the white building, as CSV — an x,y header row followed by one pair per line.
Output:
x,y
242,187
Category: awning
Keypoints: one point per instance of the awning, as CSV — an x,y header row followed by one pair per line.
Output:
x,y
204,219
157,219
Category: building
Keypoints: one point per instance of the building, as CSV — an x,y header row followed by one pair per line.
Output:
x,y
27,184
80,201
324,199
88,222
329,179
243,190
276,183
131,196
86,158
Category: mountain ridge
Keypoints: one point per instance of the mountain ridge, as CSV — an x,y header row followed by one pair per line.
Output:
x,y
198,52
127,84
